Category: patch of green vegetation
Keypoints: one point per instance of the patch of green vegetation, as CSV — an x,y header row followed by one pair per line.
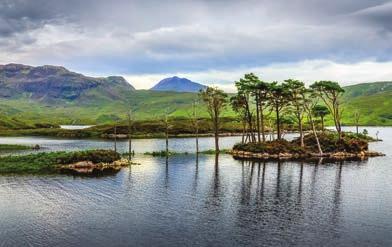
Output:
x,y
163,153
212,151
329,142
11,147
180,127
47,163
371,100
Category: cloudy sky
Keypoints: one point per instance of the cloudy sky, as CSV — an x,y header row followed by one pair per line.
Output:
x,y
212,42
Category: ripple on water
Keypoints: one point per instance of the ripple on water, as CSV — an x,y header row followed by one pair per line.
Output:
x,y
229,203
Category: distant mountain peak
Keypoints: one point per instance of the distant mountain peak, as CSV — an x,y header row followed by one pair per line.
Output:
x,y
55,83
177,84
119,80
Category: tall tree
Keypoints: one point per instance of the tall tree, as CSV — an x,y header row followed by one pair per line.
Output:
x,y
215,100
195,123
330,92
245,88
167,126
357,116
310,101
297,91
320,111
238,103
279,98
130,123
115,137
261,91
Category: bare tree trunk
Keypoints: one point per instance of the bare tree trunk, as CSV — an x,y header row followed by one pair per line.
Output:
x,y
167,135
356,118
258,118
115,138
262,122
278,124
250,124
322,123
196,126
130,135
216,130
315,135
301,134
243,131
197,140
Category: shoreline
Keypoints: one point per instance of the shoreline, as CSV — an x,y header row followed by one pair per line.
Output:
x,y
303,157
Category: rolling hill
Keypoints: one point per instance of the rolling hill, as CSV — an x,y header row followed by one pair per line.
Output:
x,y
176,84
372,100
52,94
40,96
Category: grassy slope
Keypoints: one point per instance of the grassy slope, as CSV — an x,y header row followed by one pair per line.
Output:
x,y
373,100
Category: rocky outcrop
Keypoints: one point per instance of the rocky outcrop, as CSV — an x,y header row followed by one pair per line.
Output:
x,y
90,168
53,83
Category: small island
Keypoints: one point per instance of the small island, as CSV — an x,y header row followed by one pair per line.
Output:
x,y
350,146
263,107
92,162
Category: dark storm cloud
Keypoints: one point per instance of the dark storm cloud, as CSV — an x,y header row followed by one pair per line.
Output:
x,y
179,35
380,15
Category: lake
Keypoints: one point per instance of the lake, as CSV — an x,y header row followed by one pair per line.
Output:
x,y
75,127
204,201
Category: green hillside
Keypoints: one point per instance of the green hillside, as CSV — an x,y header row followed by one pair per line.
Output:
x,y
372,100
110,100
99,110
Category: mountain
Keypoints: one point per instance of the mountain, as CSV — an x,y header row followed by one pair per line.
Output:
x,y
54,95
44,95
54,83
176,84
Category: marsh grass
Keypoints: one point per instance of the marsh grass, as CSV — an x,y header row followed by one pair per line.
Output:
x,y
47,163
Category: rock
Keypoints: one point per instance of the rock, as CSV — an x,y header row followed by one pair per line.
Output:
x,y
90,168
336,155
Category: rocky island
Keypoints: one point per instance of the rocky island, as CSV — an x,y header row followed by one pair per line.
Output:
x,y
349,146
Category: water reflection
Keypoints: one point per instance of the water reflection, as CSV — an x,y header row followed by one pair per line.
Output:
x,y
204,200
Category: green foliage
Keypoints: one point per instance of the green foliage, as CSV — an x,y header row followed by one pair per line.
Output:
x,y
163,153
320,111
329,142
372,100
270,147
212,151
47,162
9,147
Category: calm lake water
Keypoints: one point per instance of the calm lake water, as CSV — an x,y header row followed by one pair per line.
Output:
x,y
201,202
75,127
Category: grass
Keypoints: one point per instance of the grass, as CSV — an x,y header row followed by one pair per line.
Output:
x,y
180,127
46,163
11,147
163,153
22,115
212,151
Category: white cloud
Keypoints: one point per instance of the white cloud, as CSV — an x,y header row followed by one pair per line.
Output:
x,y
307,71
208,41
